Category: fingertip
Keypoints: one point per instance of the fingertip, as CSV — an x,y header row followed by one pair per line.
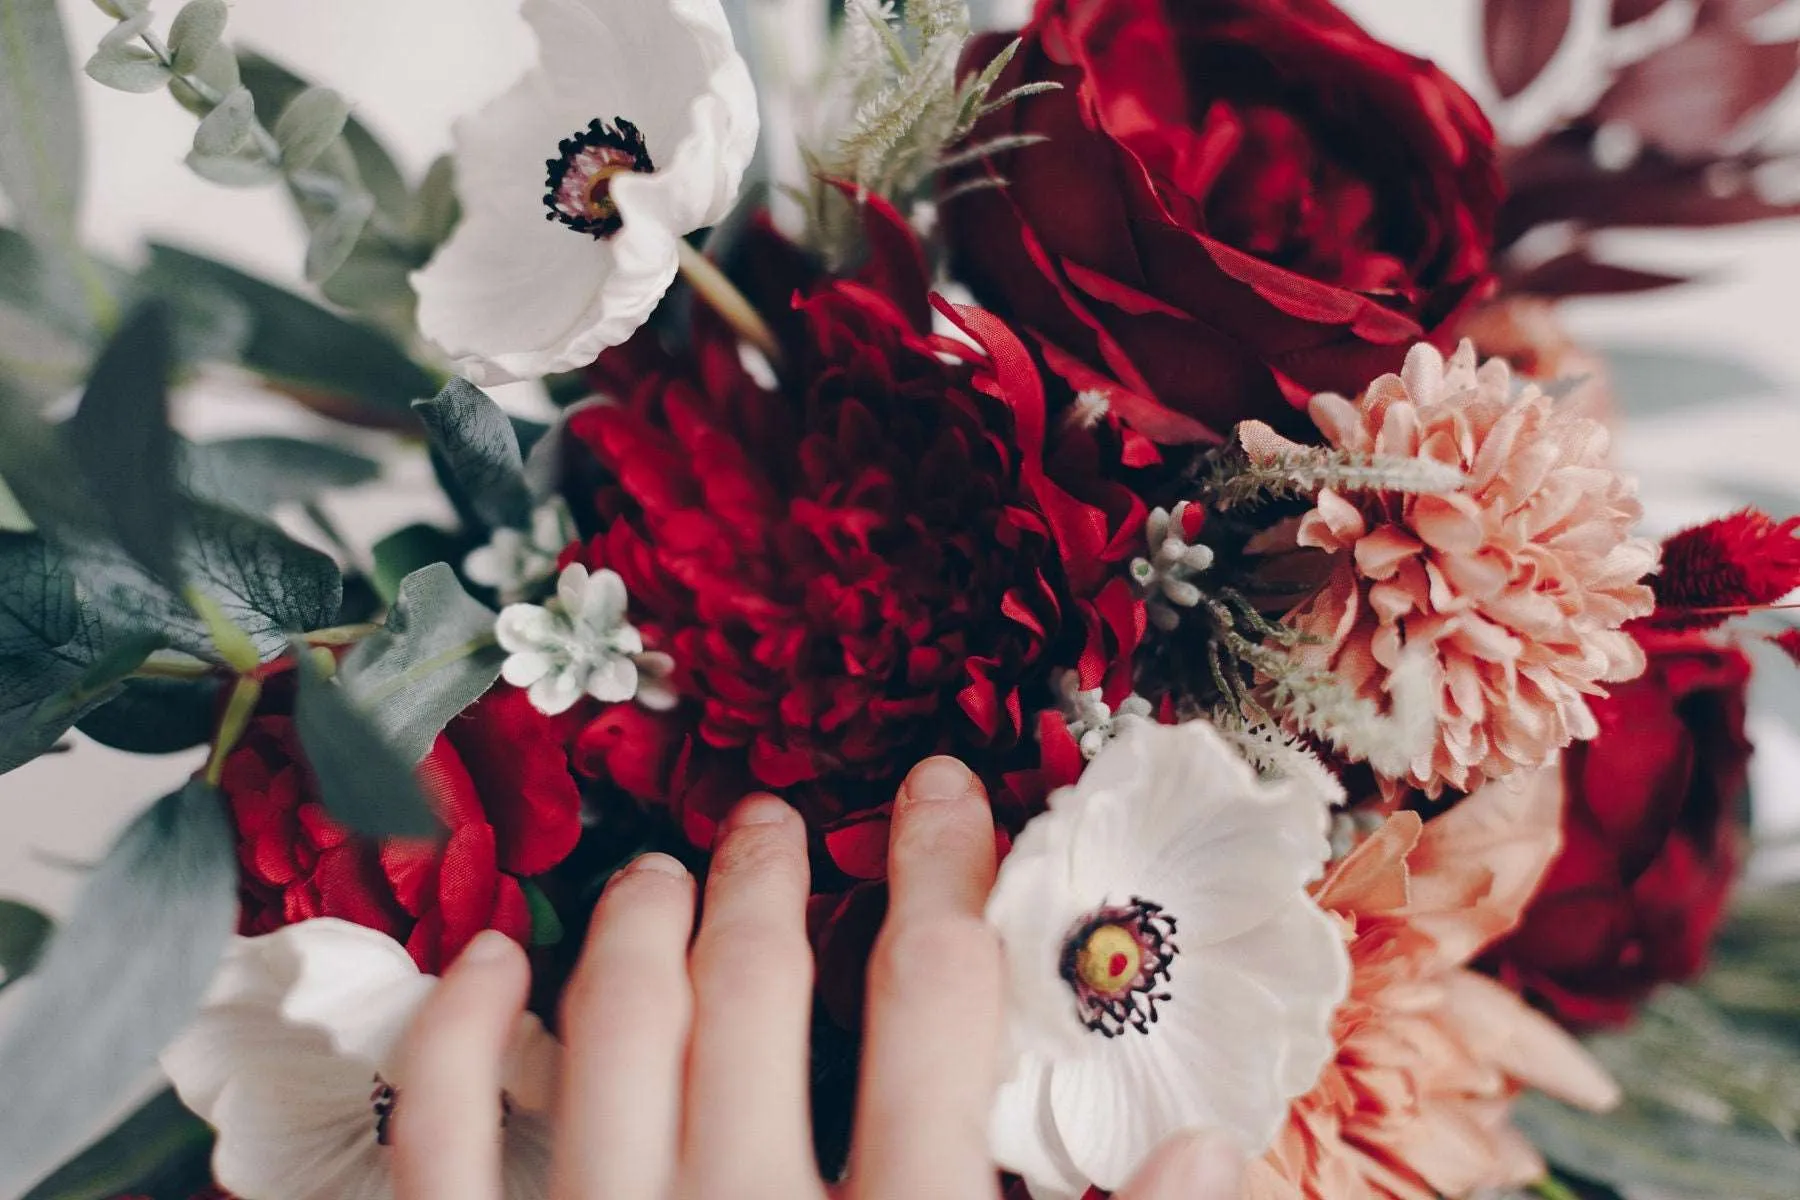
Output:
x,y
758,808
938,779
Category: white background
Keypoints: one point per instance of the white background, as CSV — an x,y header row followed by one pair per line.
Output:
x,y
411,65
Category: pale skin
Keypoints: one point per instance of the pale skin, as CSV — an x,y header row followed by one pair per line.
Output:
x,y
685,1069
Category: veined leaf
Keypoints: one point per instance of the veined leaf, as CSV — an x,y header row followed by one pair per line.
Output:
x,y
37,596
477,443
122,977
365,783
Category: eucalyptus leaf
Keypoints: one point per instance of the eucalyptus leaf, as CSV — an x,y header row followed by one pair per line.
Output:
x,y
127,69
244,168
227,129
435,657
218,71
343,366
275,85
162,1149
120,979
364,781
42,155
308,123
23,932
481,450
120,437
266,583
256,475
120,10
156,716
196,32
335,236
37,596
434,210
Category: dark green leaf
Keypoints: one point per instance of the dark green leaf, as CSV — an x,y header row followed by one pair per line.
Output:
x,y
120,437
275,87
121,978
256,475
406,550
435,657
195,32
23,932
366,784
546,925
156,716
161,1149
45,692
41,151
481,450
41,473
37,596
343,366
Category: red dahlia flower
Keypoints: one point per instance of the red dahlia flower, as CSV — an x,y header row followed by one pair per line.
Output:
x,y
499,777
863,567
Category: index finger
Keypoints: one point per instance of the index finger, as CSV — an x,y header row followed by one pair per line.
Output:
x,y
930,1051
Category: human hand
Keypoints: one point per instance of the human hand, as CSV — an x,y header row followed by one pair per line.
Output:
x,y
684,1072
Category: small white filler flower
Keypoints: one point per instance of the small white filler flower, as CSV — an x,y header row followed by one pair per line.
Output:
x,y
645,115
1166,968
515,561
583,645
290,1061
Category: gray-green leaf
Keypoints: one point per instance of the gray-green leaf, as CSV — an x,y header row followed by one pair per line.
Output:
x,y
255,475
481,450
436,657
365,782
120,437
274,86
23,932
123,65
37,596
227,128
244,168
41,153
121,978
334,236
119,10
195,32
310,122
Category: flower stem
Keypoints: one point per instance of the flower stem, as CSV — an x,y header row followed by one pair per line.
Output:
x,y
710,284
339,635
238,711
1552,1188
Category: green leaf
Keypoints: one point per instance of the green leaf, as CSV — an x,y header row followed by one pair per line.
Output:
x,y
123,63
46,330
275,86
41,152
156,716
478,445
121,978
365,783
308,123
42,475
13,518
345,366
434,210
23,932
37,596
46,693
245,168
161,1149
436,656
218,71
120,437
196,32
256,475
406,550
119,10
546,926
265,582
227,129
335,235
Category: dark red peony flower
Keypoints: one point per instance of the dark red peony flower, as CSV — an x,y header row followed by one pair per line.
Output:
x,y
1242,203
1651,840
500,779
862,567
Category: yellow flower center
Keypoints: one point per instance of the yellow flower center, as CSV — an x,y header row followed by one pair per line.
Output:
x,y
1109,959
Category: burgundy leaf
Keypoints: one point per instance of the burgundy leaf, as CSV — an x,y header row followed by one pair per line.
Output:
x,y
1690,97
1522,37
1577,274
1624,12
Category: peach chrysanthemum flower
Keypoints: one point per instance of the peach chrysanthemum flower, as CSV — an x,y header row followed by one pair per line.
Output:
x,y
1518,580
1415,1105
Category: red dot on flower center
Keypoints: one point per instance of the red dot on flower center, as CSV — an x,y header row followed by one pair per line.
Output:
x,y
1116,964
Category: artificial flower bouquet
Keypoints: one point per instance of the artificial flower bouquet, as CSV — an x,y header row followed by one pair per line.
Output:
x,y
1161,408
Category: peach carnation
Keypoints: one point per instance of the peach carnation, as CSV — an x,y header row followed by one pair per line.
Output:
x,y
1518,580
1415,1105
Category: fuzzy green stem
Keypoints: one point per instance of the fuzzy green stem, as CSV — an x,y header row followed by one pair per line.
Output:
x,y
238,711
1552,1188
339,635
154,668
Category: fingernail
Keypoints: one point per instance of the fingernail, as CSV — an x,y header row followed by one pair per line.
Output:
x,y
940,778
657,863
488,947
760,809
1214,1165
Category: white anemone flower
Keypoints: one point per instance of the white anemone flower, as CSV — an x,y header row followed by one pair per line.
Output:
x,y
644,112
1166,968
583,645
291,1062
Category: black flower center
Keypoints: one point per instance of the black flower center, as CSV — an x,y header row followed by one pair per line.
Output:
x,y
1116,961
381,1103
578,191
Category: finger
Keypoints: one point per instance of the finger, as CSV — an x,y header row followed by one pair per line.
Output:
x,y
748,1126
930,1051
1193,1165
445,1122
625,1017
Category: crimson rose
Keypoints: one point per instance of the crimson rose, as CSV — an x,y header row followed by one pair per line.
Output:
x,y
499,777
1241,203
1651,839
